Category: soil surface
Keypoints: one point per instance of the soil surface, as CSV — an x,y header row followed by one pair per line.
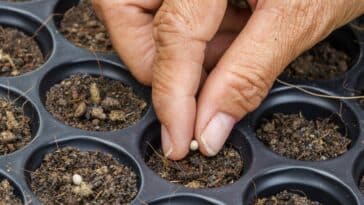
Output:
x,y
198,171
7,196
15,131
286,198
104,180
81,26
295,137
19,53
322,62
95,103
361,185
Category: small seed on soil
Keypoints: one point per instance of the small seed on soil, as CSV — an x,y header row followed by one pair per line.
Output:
x,y
194,145
95,93
117,115
6,137
77,179
81,109
98,112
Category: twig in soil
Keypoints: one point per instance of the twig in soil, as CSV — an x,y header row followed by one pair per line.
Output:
x,y
44,24
357,27
318,94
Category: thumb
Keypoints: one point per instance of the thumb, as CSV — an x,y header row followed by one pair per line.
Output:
x,y
181,31
276,33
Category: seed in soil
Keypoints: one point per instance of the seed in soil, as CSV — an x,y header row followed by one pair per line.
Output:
x,y
198,171
81,26
19,53
99,178
293,136
322,62
286,198
7,196
95,103
361,185
15,131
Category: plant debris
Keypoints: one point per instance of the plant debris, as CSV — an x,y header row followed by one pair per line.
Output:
x,y
198,171
15,131
322,62
95,103
19,53
286,198
104,180
295,137
81,26
7,196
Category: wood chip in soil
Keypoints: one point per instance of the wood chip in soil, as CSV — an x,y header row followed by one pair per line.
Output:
x,y
19,53
104,180
95,103
7,196
361,185
286,198
81,26
322,62
15,129
293,136
198,171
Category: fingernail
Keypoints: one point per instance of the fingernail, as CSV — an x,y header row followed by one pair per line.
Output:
x,y
166,142
216,133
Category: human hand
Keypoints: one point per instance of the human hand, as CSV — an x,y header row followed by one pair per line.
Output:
x,y
231,57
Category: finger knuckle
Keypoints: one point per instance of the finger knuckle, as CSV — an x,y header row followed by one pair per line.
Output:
x,y
249,87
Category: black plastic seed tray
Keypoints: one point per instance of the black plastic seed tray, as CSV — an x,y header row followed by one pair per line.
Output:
x,y
331,182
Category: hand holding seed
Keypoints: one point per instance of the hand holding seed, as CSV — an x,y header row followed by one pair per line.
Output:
x,y
233,56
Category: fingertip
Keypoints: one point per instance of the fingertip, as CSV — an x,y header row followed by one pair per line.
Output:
x,y
173,150
215,133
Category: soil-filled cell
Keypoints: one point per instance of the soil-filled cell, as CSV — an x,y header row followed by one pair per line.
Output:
x,y
196,170
286,197
304,127
81,171
95,103
293,136
328,59
182,200
80,25
25,43
294,186
7,194
18,121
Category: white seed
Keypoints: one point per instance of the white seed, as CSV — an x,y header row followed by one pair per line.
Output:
x,y
194,145
77,179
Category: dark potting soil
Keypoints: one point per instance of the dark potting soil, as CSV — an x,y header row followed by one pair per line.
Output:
x,y
81,26
361,185
295,137
95,103
19,53
104,180
322,62
15,131
286,198
198,171
7,196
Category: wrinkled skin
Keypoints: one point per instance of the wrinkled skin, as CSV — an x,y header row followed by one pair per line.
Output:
x,y
229,57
